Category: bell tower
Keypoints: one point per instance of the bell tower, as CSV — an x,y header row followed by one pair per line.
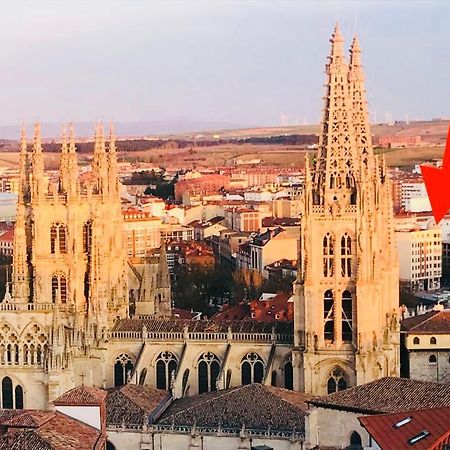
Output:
x,y
346,293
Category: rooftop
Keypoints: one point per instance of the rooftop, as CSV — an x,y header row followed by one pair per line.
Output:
x,y
211,325
420,430
133,404
81,396
254,406
434,322
387,395
42,430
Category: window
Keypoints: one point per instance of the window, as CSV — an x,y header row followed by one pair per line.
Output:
x,y
328,315
12,397
346,255
7,393
416,341
347,314
418,437
166,364
122,369
252,369
87,237
288,375
328,255
355,439
58,238
433,340
208,371
59,288
432,360
336,381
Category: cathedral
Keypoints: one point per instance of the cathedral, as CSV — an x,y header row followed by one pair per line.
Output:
x,y
80,312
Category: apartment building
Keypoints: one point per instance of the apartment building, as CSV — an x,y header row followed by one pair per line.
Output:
x,y
142,232
420,257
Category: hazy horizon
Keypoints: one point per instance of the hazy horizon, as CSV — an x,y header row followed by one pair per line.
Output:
x,y
242,63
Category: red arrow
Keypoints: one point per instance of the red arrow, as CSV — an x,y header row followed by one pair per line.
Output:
x,y
437,182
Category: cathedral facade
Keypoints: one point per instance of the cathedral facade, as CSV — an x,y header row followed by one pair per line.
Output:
x,y
80,312
346,294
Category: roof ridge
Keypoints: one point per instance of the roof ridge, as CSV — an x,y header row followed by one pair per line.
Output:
x,y
426,320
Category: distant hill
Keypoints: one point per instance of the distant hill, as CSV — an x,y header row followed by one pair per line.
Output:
x,y
433,132
123,129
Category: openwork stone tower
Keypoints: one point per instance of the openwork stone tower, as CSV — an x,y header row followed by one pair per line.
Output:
x,y
346,294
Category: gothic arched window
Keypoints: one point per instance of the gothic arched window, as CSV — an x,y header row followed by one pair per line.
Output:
x,y
166,364
433,340
7,393
432,359
122,369
347,315
336,381
12,397
328,316
288,375
18,393
252,369
346,255
58,238
208,371
328,255
59,288
416,341
87,236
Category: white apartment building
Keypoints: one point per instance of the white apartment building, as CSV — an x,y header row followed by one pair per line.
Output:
x,y
414,197
420,257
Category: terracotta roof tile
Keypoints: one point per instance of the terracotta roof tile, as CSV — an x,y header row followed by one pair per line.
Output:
x,y
133,404
29,419
435,322
218,326
382,428
388,395
255,406
82,395
411,322
42,430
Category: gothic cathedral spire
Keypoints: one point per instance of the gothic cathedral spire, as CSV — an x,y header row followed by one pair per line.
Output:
x,y
346,294
334,177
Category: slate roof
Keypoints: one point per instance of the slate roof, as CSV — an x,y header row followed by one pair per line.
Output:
x,y
388,395
42,430
82,395
382,428
134,405
434,322
255,406
215,326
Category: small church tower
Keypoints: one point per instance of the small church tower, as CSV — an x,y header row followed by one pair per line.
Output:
x,y
346,293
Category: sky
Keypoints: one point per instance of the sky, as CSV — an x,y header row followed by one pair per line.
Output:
x,y
243,63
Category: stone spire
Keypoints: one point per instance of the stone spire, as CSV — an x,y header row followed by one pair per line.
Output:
x,y
24,168
37,161
163,286
113,176
72,164
360,114
20,275
64,162
100,162
334,176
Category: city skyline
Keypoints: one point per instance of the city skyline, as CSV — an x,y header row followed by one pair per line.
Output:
x,y
227,64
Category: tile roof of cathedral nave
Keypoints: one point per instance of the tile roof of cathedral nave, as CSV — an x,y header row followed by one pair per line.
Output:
x,y
204,326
